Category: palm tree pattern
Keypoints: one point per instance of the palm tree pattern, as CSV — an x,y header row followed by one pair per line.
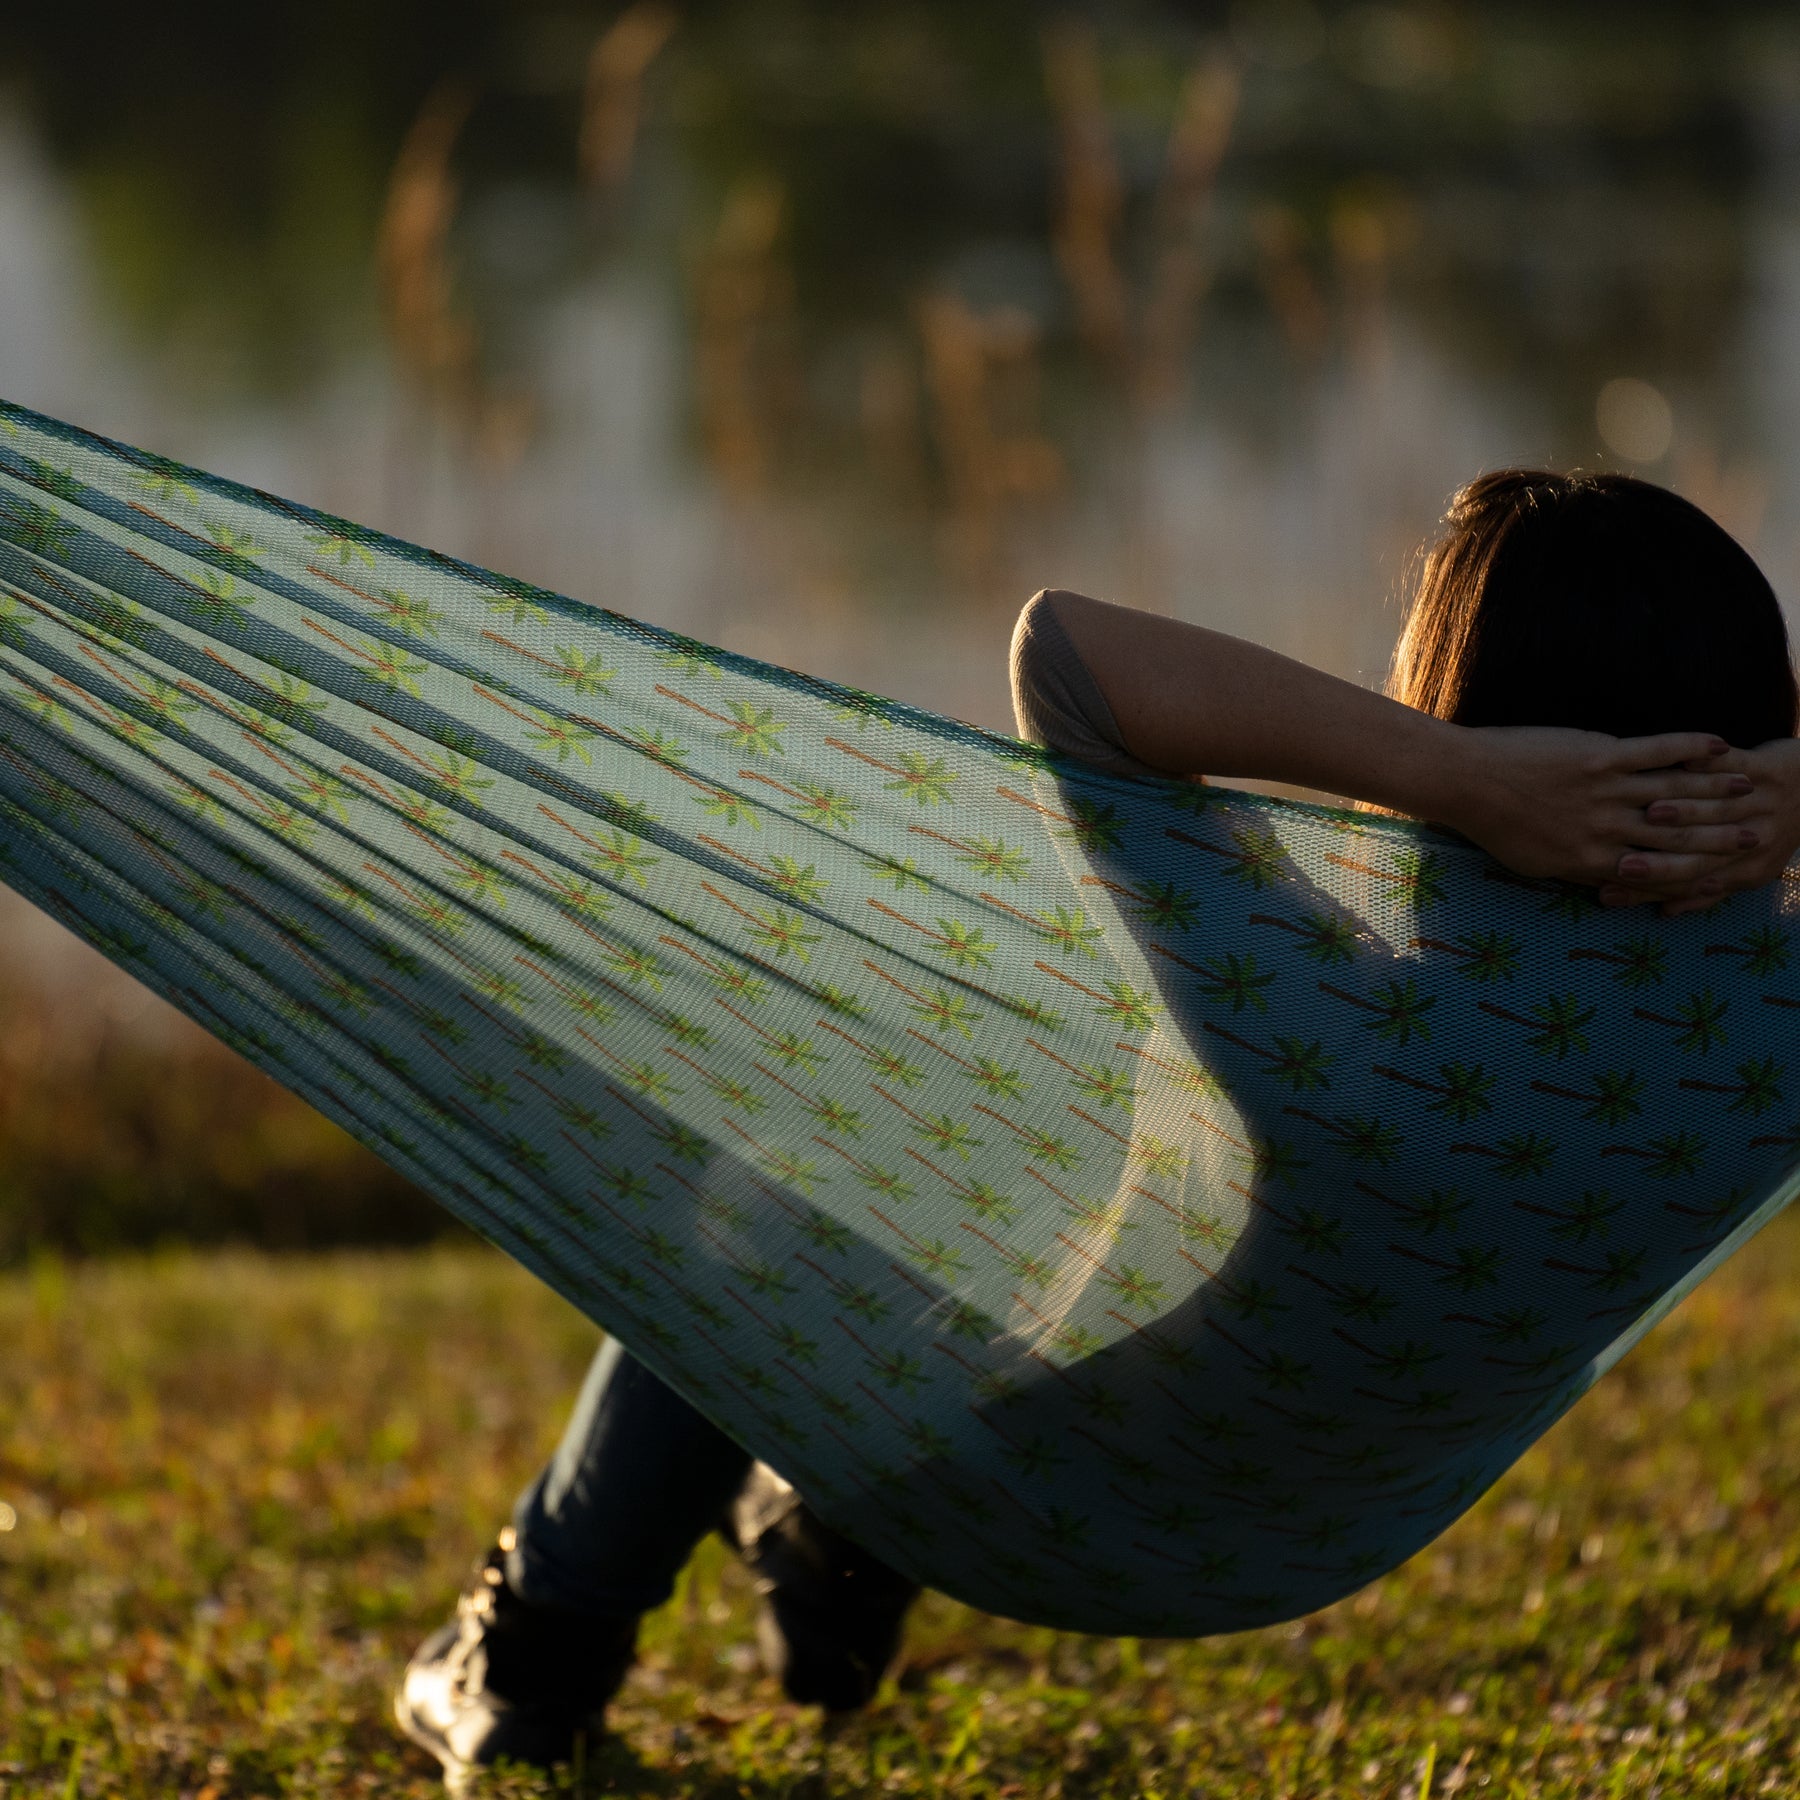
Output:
x,y
1128,1206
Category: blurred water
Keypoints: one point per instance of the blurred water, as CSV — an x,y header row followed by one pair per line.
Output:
x,y
821,370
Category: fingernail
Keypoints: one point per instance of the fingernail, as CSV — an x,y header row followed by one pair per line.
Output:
x,y
1719,746
1739,785
1633,865
1747,839
1660,812
1711,887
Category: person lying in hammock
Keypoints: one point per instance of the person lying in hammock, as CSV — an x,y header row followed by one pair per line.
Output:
x,y
1570,635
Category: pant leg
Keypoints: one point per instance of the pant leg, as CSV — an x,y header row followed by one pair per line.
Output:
x,y
638,1479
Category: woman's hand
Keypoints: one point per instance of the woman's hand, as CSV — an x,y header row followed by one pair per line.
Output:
x,y
1671,815
1771,811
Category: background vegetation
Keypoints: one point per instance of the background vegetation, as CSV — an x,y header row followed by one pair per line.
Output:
x,y
234,163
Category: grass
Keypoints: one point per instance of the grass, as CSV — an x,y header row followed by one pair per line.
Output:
x,y
240,1488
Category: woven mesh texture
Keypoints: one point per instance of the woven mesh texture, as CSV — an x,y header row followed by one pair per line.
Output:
x,y
1131,1206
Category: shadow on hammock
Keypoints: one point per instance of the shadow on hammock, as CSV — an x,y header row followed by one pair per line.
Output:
x,y
1366,1243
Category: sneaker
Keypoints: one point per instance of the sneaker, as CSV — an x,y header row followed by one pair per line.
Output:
x,y
505,1680
831,1616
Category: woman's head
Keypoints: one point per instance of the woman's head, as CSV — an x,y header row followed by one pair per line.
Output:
x,y
1595,601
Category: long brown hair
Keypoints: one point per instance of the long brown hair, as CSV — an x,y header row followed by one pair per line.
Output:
x,y
1595,601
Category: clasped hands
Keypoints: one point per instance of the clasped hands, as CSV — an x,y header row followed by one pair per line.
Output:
x,y
1680,820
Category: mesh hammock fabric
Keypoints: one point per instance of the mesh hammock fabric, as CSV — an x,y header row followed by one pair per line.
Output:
x,y
1129,1206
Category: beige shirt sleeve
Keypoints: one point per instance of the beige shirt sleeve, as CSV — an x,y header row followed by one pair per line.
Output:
x,y
1056,700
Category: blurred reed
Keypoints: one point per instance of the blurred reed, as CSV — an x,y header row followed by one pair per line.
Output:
x,y
951,420
612,106
743,297
1091,201
1362,246
983,372
889,413
1288,282
433,341
1144,344
1180,272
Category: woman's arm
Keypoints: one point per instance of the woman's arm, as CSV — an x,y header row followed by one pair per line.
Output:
x,y
1569,804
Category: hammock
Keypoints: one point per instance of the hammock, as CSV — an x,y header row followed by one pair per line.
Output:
x,y
1128,1206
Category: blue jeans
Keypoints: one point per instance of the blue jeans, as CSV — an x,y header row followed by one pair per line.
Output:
x,y
637,1481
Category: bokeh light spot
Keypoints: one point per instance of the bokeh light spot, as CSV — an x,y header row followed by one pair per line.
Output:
x,y
1634,420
